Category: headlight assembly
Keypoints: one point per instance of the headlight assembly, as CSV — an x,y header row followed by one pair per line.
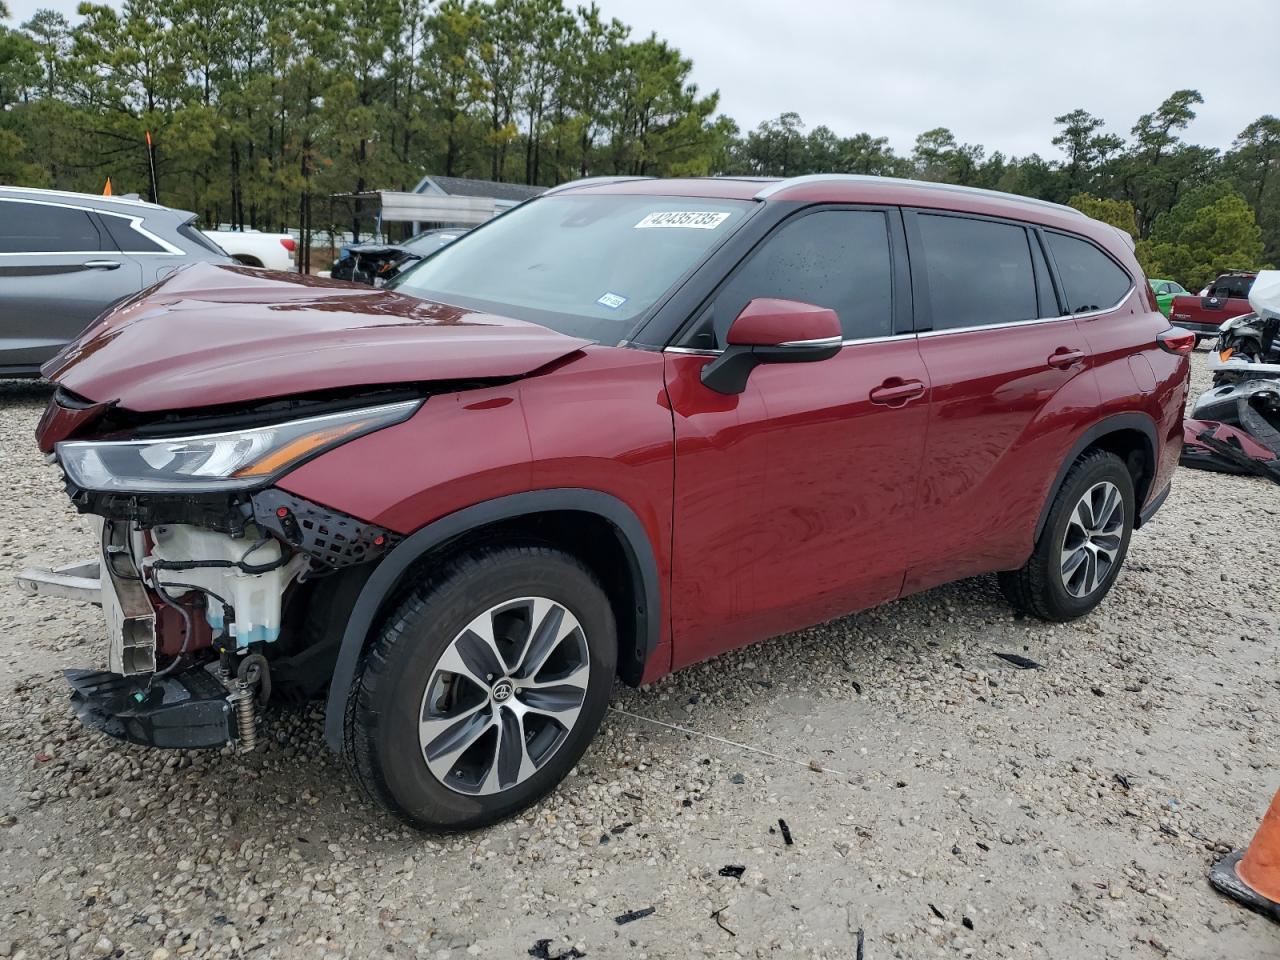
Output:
x,y
238,459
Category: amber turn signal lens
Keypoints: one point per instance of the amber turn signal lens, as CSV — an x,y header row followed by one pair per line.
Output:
x,y
296,449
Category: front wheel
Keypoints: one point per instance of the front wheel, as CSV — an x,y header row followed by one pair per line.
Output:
x,y
1083,543
484,688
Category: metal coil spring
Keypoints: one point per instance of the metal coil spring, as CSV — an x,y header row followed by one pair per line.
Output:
x,y
246,716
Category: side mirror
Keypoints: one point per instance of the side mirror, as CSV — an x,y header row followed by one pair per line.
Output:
x,y
772,331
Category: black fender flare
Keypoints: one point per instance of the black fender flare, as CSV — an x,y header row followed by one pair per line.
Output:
x,y
387,574
1120,421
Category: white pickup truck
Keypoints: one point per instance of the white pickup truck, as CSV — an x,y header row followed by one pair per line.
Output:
x,y
253,249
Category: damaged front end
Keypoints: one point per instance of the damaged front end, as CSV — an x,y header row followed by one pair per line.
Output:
x,y
1235,426
1248,348
201,561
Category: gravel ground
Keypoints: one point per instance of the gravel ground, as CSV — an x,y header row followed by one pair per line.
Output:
x,y
961,806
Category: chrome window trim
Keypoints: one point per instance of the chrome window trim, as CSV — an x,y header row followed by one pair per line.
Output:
x,y
853,341
814,342
706,352
1024,323
135,223
709,352
693,351
996,326
1111,309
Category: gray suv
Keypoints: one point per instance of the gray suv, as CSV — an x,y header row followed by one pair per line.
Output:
x,y
66,257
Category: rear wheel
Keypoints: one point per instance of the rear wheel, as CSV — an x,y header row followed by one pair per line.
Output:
x,y
1083,543
484,688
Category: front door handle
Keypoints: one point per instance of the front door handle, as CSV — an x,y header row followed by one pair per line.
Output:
x,y
101,264
1065,357
895,392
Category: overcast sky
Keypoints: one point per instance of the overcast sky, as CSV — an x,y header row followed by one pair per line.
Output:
x,y
994,71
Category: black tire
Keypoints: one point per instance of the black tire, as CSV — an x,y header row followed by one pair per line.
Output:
x,y
1038,588
382,744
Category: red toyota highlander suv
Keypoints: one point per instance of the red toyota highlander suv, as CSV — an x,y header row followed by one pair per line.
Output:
x,y
615,431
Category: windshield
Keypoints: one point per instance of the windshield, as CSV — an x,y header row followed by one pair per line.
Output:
x,y
587,266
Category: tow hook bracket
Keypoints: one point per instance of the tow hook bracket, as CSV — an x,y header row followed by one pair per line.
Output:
x,y
189,710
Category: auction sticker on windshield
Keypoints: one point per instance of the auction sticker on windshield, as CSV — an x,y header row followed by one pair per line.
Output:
x,y
690,219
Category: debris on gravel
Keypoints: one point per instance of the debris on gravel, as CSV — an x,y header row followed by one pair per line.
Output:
x,y
985,812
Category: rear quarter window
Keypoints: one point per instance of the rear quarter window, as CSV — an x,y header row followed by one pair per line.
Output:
x,y
188,232
127,238
1091,280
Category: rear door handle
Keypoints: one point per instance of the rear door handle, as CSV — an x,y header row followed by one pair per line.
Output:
x,y
895,392
101,264
1065,357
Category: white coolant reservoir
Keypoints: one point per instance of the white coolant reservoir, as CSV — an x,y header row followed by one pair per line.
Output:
x,y
255,597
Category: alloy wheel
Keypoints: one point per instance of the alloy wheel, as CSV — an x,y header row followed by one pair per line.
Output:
x,y
1092,539
504,696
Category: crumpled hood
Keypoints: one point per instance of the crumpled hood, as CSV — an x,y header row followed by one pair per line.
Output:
x,y
214,334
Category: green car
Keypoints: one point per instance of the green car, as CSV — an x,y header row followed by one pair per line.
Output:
x,y
1165,291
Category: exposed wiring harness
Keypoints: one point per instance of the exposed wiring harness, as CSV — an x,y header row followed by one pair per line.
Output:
x,y
240,564
186,631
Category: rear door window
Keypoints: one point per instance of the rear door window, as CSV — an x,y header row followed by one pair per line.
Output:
x,y
1091,280
837,259
43,228
979,272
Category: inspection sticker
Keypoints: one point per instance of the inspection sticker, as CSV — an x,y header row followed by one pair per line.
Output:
x,y
689,219
612,301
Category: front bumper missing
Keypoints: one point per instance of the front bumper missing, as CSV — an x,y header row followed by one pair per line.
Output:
x,y
130,617
190,710
195,708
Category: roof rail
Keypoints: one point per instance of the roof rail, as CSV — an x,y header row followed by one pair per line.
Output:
x,y
590,182
130,198
780,185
